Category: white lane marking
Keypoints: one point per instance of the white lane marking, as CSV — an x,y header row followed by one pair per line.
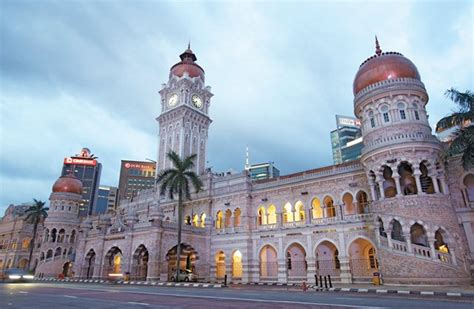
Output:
x,y
70,296
453,294
135,303
228,298
403,292
23,292
426,293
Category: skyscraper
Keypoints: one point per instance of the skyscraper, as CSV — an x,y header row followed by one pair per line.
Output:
x,y
107,198
135,176
346,140
87,169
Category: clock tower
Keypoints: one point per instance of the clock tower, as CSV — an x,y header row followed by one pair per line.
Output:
x,y
184,120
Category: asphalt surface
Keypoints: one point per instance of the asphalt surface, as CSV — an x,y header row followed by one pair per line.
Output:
x,y
76,295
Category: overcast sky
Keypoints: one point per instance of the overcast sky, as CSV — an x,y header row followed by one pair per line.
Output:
x,y
86,74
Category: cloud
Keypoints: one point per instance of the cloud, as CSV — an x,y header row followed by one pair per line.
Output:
x,y
87,74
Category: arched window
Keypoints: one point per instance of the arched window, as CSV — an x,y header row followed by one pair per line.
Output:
x,y
187,220
262,217
72,239
237,264
381,228
49,254
389,187
203,219
440,245
362,202
407,181
195,220
397,231
425,180
299,211
219,223
416,113
418,235
272,217
385,115
372,119
42,256
401,110
349,208
61,235
53,235
330,209
237,214
316,209
287,213
57,252
228,218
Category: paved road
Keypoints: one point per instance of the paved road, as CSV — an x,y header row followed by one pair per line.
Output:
x,y
76,295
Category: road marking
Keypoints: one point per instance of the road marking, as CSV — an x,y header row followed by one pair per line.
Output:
x,y
403,292
229,298
426,293
70,296
135,303
453,294
23,292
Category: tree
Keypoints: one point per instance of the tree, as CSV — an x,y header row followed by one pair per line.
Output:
x,y
463,118
35,214
177,181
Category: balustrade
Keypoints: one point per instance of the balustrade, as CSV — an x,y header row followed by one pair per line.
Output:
x,y
421,250
400,245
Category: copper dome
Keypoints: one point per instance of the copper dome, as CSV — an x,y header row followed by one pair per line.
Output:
x,y
383,66
68,184
187,64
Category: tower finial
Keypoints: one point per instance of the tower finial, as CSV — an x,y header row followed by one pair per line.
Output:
x,y
189,44
378,51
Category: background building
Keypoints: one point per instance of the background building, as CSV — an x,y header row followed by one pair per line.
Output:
x,y
85,167
15,237
107,198
263,171
346,140
135,176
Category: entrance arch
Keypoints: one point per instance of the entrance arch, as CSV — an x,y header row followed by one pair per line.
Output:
x,y
327,260
268,264
140,263
67,269
113,262
296,262
237,265
220,265
187,260
88,270
363,260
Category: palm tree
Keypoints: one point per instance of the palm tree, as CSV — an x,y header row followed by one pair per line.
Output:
x,y
35,214
463,118
176,181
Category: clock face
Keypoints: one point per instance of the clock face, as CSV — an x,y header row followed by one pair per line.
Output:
x,y
173,100
196,100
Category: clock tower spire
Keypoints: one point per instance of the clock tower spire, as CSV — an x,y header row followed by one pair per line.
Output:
x,y
184,120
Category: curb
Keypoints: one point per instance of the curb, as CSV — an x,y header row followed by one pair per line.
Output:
x,y
150,283
390,291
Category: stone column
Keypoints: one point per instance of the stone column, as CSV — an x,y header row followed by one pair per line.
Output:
x,y
417,174
431,241
380,182
408,240
346,276
444,185
311,271
372,190
308,216
396,178
282,271
435,184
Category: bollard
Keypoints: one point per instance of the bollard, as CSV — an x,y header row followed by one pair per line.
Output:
x,y
225,280
325,283
316,280
329,279
321,281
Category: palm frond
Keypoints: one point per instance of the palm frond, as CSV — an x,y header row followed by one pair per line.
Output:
x,y
188,162
174,157
463,142
464,99
197,183
455,119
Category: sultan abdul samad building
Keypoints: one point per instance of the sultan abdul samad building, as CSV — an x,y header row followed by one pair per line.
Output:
x,y
401,210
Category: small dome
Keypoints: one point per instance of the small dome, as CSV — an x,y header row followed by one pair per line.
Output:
x,y
187,64
383,66
68,184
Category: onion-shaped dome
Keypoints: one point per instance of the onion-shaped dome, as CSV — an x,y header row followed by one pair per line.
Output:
x,y
68,184
383,66
187,64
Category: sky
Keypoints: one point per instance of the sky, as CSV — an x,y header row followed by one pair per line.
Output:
x,y
79,74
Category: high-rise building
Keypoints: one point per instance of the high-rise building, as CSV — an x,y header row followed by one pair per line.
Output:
x,y
87,169
135,176
107,198
263,171
346,140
